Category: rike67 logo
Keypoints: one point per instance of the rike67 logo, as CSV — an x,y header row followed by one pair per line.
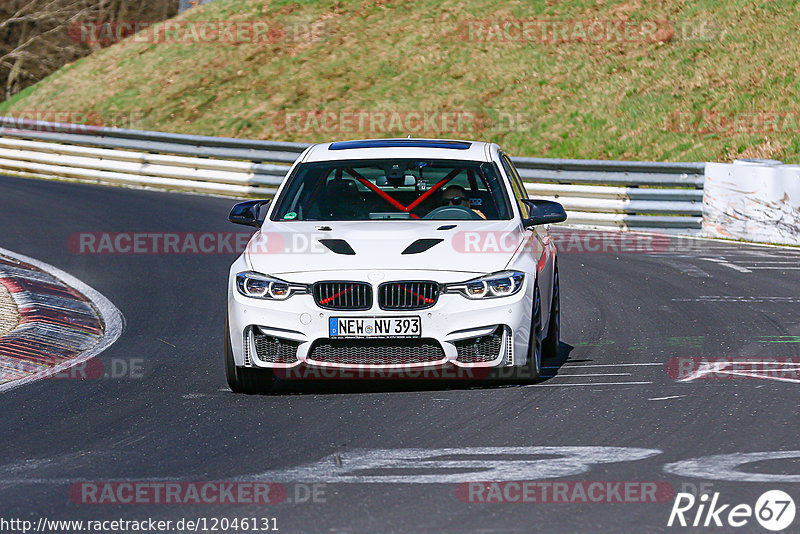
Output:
x,y
774,510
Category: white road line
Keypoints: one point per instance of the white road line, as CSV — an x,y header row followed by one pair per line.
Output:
x,y
716,243
761,265
758,253
450,465
567,366
773,253
64,481
729,254
767,262
756,375
733,298
590,374
764,362
724,368
778,268
591,384
769,259
667,398
736,267
728,264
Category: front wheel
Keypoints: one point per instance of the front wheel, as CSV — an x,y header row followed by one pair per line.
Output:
x,y
245,379
550,345
534,366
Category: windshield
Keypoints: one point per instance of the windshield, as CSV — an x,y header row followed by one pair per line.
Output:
x,y
392,189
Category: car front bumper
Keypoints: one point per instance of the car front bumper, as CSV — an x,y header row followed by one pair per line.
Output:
x,y
298,329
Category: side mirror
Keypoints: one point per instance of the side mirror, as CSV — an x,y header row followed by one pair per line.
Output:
x,y
248,213
544,212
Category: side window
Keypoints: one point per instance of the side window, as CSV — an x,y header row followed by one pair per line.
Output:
x,y
516,185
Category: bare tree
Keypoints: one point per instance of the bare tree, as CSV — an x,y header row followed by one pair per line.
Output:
x,y
39,36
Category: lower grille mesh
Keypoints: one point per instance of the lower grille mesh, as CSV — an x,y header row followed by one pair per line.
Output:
x,y
376,351
270,349
480,349
246,345
509,346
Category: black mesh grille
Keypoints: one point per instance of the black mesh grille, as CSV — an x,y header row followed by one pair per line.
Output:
x,y
343,295
480,349
270,349
376,351
407,295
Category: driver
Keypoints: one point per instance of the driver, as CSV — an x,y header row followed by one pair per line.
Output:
x,y
455,195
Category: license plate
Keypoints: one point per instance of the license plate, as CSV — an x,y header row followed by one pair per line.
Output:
x,y
375,327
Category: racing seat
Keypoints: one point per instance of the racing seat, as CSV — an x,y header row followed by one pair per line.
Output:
x,y
341,200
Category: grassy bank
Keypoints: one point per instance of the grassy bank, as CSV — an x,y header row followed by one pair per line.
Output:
x,y
718,82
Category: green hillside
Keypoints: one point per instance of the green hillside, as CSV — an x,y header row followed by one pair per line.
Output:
x,y
718,81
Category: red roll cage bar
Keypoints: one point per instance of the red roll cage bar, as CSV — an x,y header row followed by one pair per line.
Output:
x,y
385,196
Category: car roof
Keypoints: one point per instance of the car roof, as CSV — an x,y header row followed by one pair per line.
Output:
x,y
448,149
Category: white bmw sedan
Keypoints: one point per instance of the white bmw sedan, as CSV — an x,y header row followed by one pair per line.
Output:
x,y
394,254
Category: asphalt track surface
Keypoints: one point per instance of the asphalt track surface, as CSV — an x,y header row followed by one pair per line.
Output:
x,y
179,422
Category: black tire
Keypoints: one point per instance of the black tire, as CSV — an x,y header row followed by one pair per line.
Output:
x,y
533,367
244,379
550,345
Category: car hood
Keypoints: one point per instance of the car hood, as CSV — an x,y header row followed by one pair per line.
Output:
x,y
466,246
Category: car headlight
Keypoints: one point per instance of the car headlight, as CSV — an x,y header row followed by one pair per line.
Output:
x,y
259,286
489,286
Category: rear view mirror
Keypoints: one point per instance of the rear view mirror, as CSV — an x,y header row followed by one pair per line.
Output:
x,y
248,213
543,212
408,180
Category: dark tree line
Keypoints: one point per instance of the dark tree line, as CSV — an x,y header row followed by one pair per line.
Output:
x,y
39,36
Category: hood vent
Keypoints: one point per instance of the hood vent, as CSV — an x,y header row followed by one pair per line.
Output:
x,y
421,245
339,246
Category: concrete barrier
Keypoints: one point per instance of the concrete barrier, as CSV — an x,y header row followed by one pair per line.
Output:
x,y
752,200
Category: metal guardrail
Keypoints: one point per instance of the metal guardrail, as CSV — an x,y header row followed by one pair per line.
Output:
x,y
625,194
654,173
621,194
154,142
